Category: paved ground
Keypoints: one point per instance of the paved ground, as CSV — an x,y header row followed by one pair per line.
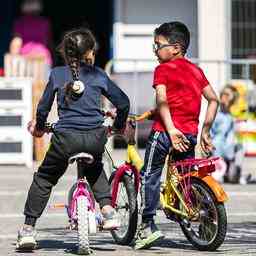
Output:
x,y
56,239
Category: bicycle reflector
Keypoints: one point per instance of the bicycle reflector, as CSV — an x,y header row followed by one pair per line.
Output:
x,y
203,166
207,166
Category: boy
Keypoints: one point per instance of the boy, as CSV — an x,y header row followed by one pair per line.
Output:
x,y
179,85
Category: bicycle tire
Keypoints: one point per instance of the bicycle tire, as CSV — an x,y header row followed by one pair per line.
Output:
x,y
221,228
82,225
131,227
72,190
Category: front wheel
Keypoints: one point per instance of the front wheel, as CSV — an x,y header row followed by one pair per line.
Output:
x,y
127,208
206,230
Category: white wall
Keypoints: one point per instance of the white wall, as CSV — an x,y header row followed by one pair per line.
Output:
x,y
214,33
214,43
135,21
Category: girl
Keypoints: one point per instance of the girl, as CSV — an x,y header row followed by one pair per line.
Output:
x,y
79,86
224,141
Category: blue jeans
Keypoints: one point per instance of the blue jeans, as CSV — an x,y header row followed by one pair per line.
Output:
x,y
157,149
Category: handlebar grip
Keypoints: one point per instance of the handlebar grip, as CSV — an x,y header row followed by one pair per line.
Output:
x,y
145,115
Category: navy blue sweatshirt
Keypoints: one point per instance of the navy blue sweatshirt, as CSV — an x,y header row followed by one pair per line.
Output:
x,y
85,112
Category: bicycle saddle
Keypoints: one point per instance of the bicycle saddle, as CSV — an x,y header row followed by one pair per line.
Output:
x,y
85,157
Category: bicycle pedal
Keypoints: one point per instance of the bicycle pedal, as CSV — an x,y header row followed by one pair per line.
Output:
x,y
73,226
186,223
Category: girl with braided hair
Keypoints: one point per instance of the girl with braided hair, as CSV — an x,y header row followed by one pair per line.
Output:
x,y
79,86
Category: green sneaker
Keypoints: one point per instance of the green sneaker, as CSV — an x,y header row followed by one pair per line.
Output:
x,y
147,236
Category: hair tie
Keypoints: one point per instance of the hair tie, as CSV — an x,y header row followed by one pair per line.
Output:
x,y
78,87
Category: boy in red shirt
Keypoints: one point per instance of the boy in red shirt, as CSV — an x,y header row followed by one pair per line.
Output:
x,y
179,85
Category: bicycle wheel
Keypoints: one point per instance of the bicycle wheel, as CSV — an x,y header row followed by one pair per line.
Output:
x,y
206,230
82,221
127,208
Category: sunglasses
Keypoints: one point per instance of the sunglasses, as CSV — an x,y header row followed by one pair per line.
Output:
x,y
157,46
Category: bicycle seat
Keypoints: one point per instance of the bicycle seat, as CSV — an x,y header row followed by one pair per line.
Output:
x,y
85,157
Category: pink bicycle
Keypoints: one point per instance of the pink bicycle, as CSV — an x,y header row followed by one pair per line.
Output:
x,y
124,181
81,203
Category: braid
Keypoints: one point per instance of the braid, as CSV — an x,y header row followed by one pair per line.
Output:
x,y
73,48
73,61
73,56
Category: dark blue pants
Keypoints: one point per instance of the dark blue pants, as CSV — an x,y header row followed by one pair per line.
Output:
x,y
157,149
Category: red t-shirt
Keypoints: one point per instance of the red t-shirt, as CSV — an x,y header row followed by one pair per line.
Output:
x,y
184,83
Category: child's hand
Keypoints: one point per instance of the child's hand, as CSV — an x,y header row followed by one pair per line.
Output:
x,y
206,142
32,129
179,140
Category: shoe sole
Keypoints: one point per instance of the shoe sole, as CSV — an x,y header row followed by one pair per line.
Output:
x,y
111,225
26,244
156,237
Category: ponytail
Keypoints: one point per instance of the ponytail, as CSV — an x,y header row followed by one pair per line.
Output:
x,y
73,48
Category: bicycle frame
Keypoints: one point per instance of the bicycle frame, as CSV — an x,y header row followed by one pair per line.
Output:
x,y
133,163
133,166
80,190
169,190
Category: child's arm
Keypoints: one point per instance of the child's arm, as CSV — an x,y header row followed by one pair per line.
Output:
x,y
36,128
120,100
45,104
210,95
178,139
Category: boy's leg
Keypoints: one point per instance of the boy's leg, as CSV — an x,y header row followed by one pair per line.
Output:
x,y
52,168
156,151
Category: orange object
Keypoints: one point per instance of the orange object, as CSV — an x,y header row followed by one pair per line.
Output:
x,y
145,115
39,144
216,188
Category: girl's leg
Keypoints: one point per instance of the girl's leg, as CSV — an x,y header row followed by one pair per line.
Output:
x,y
52,168
98,181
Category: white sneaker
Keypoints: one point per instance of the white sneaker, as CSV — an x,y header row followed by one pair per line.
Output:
x,y
111,220
26,240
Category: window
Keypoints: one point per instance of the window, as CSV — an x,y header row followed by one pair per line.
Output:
x,y
243,34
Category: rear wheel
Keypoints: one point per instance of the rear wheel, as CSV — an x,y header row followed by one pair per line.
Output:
x,y
127,208
71,192
207,229
83,225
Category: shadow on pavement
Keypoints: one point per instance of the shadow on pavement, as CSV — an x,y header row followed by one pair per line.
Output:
x,y
238,235
241,233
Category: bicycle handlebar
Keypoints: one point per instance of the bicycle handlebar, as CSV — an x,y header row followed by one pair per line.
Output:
x,y
134,117
146,115
49,127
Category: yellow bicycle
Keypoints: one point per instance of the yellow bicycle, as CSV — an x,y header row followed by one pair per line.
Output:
x,y
189,196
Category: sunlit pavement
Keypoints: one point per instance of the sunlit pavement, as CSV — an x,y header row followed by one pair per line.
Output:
x,y
55,239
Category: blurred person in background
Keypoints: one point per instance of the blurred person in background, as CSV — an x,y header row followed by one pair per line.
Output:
x,y
223,138
32,32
